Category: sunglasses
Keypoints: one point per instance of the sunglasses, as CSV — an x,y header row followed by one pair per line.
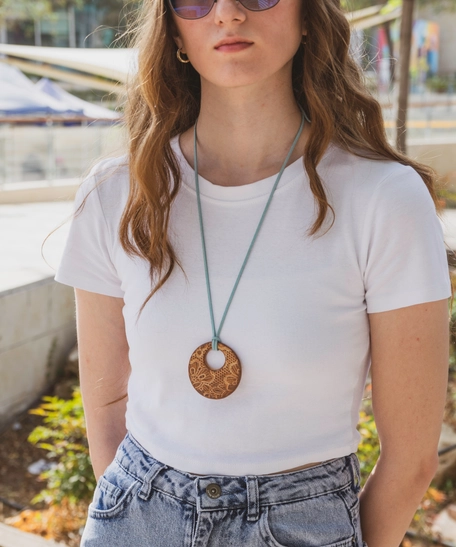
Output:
x,y
195,9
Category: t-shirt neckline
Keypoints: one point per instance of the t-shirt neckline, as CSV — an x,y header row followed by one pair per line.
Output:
x,y
235,193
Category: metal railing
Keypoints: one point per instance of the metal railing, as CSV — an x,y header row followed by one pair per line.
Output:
x,y
48,152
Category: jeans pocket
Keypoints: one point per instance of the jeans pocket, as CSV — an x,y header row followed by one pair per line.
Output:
x,y
114,491
321,521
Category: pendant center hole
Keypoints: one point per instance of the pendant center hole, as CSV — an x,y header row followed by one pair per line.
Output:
x,y
215,359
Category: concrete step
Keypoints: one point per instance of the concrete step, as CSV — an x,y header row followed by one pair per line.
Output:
x,y
13,537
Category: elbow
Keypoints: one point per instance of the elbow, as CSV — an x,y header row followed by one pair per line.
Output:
x,y
427,467
419,468
426,470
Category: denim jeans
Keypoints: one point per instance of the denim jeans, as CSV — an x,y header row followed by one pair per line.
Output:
x,y
142,502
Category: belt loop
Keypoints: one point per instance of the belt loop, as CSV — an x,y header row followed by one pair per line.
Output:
x,y
146,488
253,502
198,490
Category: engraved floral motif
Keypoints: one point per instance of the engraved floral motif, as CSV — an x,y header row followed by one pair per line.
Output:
x,y
214,384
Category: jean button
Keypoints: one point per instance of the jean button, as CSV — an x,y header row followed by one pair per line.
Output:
x,y
213,490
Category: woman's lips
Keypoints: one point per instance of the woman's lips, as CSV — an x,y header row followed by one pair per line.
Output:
x,y
231,48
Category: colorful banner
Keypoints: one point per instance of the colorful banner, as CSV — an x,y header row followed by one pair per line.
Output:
x,y
424,60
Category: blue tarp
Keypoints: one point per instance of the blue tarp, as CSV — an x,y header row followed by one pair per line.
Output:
x,y
88,109
19,96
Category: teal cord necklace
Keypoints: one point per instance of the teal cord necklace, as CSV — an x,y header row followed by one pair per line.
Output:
x,y
218,384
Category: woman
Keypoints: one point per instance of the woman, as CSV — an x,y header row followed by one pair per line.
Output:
x,y
259,218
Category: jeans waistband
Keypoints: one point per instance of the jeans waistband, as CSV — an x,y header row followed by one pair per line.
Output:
x,y
218,492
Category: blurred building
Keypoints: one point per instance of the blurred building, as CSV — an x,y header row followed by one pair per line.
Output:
x,y
85,28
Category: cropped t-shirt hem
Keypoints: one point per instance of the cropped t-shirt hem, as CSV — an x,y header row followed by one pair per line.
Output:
x,y
233,469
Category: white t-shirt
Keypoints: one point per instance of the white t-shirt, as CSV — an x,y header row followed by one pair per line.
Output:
x,y
298,320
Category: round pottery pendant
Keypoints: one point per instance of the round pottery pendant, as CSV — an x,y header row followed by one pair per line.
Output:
x,y
214,383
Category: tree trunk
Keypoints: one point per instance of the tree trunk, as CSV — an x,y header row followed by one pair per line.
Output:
x,y
71,27
389,39
404,79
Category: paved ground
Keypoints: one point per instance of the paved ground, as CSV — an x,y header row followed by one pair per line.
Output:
x,y
25,226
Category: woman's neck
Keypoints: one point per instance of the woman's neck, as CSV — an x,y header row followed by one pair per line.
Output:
x,y
244,136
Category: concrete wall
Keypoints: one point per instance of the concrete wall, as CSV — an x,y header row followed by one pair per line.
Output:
x,y
42,191
37,332
438,153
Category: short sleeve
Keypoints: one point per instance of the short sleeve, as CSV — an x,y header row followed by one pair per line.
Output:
x,y
403,251
86,261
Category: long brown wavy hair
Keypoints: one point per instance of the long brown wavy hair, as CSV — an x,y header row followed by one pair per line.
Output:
x,y
163,100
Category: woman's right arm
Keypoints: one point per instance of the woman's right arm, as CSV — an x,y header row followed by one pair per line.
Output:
x,y
104,369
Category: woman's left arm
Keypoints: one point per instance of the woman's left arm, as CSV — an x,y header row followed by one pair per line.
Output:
x,y
409,370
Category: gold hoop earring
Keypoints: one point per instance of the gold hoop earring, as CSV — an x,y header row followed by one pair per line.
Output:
x,y
179,56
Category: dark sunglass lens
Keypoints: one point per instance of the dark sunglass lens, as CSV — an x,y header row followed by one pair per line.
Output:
x,y
192,9
258,5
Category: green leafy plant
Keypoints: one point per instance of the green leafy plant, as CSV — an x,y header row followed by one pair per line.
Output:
x,y
369,448
439,84
64,437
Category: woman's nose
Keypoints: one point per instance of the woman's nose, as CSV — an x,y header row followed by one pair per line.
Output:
x,y
228,10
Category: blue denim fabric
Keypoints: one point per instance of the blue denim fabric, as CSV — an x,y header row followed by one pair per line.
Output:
x,y
140,501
